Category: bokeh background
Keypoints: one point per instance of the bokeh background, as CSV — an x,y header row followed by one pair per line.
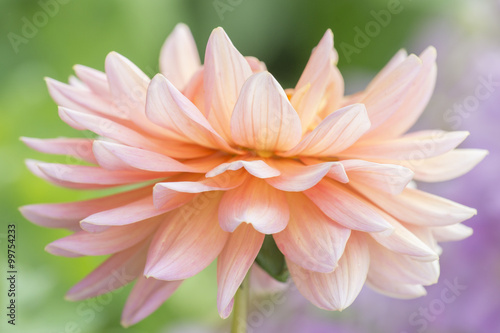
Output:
x,y
281,33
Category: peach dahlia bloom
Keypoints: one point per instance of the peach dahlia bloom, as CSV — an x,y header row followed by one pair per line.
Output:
x,y
223,156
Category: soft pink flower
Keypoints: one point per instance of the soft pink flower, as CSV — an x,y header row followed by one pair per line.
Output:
x,y
221,144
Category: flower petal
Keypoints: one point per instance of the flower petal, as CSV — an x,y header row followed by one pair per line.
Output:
x,y
233,263
297,177
185,245
384,98
345,208
179,117
386,286
335,133
115,131
166,192
417,97
263,118
78,148
225,72
111,240
68,215
117,271
146,296
319,74
179,58
94,79
444,167
389,178
256,168
451,233
311,239
338,289
418,207
138,158
417,145
87,177
257,203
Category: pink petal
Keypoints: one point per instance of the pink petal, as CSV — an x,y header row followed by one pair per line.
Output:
x,y
94,79
233,263
395,61
335,133
169,108
68,215
256,65
418,207
387,287
451,233
336,172
179,58
389,178
137,158
167,192
86,177
78,148
338,289
185,245
133,212
117,271
311,239
399,268
417,97
225,72
417,145
115,131
111,240
146,296
82,100
256,168
384,98
345,208
257,203
318,74
297,177
444,167
403,241
263,118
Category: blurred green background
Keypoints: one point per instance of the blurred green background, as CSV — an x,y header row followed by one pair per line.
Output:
x,y
280,32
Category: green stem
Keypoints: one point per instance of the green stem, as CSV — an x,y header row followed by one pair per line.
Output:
x,y
240,307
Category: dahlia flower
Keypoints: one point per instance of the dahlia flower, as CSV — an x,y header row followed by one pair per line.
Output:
x,y
230,166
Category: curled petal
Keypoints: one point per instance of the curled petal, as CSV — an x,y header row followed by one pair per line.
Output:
x,y
451,233
179,58
256,168
233,263
263,118
338,289
257,203
296,177
311,239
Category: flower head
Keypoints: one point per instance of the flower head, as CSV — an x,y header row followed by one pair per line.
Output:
x,y
225,156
